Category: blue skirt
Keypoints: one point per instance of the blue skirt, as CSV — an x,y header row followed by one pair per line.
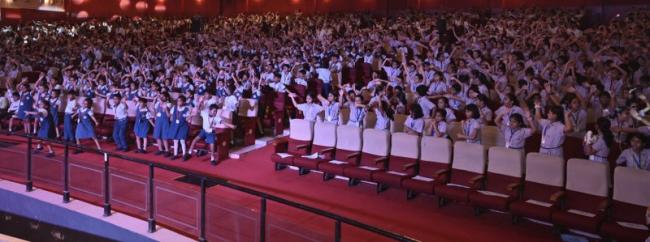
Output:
x,y
141,129
160,128
178,131
85,130
68,127
46,131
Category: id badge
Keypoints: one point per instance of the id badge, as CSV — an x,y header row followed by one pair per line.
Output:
x,y
507,144
159,115
543,140
178,121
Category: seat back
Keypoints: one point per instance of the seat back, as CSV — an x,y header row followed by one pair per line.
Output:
x,y
377,142
545,169
436,150
631,186
469,157
247,107
492,136
453,129
588,177
344,115
300,129
397,124
370,120
405,149
505,161
324,134
348,138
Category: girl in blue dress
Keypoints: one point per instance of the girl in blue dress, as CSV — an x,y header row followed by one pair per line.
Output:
x,y
142,125
46,124
179,127
161,125
86,124
55,103
26,105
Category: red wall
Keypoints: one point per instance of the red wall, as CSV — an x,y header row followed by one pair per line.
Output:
x,y
108,8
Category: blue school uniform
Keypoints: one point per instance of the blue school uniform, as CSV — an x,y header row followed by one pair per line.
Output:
x,y
54,110
201,89
161,123
179,127
85,125
103,90
142,125
132,95
46,125
68,124
89,93
26,105
221,92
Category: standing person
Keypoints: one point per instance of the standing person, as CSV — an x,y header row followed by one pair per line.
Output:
x,y
161,125
414,124
309,109
55,103
516,132
554,129
26,105
46,126
384,115
142,125
598,149
471,125
439,125
71,108
86,124
179,127
210,121
357,109
331,108
422,99
638,155
121,121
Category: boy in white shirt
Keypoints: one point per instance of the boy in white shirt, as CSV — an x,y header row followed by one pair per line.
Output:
x,y
210,121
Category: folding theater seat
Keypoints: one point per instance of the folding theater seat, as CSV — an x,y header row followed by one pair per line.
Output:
x,y
467,173
583,203
453,129
373,158
322,148
435,161
629,213
247,119
542,187
492,136
370,120
397,124
299,143
503,180
347,153
279,109
402,163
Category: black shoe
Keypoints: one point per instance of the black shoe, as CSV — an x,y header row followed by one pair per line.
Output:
x,y
167,154
213,162
143,151
138,151
160,152
174,157
77,151
125,149
186,157
50,155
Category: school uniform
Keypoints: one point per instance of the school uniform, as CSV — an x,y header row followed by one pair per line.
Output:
x,y
382,122
417,125
437,88
505,115
332,113
427,106
486,115
119,128
142,125
179,128
161,124
357,115
85,125
515,138
579,120
552,138
26,105
469,126
209,122
602,151
632,159
68,124
55,103
46,124
442,130
310,111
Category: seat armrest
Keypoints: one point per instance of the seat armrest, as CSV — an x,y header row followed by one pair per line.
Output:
x,y
328,150
382,159
604,205
409,166
476,179
556,197
354,156
513,186
303,146
280,146
440,173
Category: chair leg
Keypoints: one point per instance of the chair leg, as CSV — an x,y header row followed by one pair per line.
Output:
x,y
478,211
303,171
278,166
410,194
515,219
441,202
381,187
353,182
327,177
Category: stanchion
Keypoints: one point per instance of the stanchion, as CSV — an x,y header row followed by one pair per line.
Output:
x,y
263,220
66,191
107,194
151,220
202,228
28,183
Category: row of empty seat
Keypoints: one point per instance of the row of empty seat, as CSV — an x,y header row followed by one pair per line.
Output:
x,y
575,195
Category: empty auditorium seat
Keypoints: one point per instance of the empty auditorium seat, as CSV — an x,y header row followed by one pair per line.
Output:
x,y
347,153
492,136
503,180
629,213
402,163
433,168
374,156
542,187
467,173
299,142
584,200
322,149
247,113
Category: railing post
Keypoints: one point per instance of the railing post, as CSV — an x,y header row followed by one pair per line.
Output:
x,y
263,220
28,184
202,228
107,198
152,221
66,192
337,231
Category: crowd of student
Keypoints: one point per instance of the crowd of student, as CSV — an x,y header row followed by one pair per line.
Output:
x,y
525,71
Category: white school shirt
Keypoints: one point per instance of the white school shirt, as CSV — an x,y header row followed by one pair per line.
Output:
x,y
310,110
210,122
231,103
427,106
468,127
382,122
442,128
278,86
633,160
417,125
120,111
602,151
324,74
71,106
14,106
285,78
332,113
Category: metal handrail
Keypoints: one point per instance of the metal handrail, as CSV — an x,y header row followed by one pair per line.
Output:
x,y
204,178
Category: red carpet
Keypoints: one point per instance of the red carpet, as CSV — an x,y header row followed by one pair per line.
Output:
x,y
234,216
